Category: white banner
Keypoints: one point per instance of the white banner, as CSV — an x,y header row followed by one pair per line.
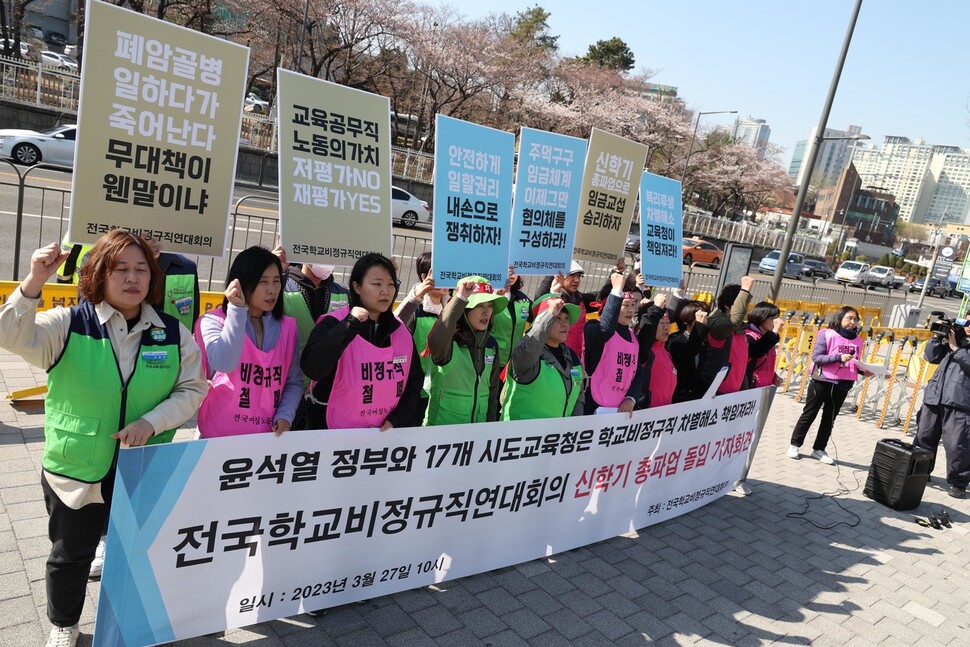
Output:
x,y
213,534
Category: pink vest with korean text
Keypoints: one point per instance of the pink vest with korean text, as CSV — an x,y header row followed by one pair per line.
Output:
x,y
663,377
369,380
764,369
244,401
836,343
737,361
614,373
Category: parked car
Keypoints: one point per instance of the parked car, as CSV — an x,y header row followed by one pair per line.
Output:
x,y
852,272
700,251
934,288
33,31
633,240
408,210
24,47
815,268
55,38
255,105
795,266
55,146
880,276
60,61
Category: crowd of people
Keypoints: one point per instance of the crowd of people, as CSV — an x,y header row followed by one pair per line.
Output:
x,y
290,348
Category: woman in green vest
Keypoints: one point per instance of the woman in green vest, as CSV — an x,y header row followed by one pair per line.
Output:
x,y
464,357
545,378
120,373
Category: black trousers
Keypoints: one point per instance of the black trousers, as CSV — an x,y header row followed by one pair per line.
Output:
x,y
828,397
935,421
74,536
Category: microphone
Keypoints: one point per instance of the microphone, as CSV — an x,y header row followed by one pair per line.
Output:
x,y
852,354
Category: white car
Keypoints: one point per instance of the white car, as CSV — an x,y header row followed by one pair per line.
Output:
x,y
852,272
408,210
54,146
61,61
881,276
255,105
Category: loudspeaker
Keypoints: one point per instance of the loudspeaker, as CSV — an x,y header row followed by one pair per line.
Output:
x,y
898,474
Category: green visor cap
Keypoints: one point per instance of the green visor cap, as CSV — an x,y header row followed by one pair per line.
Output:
x,y
542,303
483,294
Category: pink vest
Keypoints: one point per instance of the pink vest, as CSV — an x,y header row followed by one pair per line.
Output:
x,y
575,339
614,374
244,401
663,376
369,380
764,368
738,360
836,343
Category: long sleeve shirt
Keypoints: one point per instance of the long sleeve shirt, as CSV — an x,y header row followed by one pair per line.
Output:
x,y
532,349
39,338
223,341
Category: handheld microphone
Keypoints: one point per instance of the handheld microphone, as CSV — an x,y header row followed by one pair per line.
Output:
x,y
852,354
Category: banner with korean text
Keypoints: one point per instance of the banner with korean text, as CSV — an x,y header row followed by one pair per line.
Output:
x,y
661,231
610,182
212,534
472,202
334,170
546,201
158,131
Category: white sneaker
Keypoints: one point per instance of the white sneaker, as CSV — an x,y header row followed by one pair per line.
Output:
x,y
98,562
823,457
742,488
793,452
63,637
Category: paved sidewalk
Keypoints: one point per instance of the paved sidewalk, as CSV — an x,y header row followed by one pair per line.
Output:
x,y
776,567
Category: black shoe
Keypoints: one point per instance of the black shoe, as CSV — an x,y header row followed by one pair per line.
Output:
x,y
957,492
945,517
934,522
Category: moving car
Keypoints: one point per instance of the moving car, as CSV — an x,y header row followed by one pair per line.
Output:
x,y
55,146
408,210
852,272
880,276
795,266
700,251
934,288
815,268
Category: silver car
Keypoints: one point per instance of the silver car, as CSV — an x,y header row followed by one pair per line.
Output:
x,y
54,146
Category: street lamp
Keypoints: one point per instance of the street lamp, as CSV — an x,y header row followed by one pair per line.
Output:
x,y
812,157
690,149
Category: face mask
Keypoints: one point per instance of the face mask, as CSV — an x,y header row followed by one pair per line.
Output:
x,y
322,272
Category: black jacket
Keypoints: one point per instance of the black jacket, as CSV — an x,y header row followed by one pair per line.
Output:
x,y
950,385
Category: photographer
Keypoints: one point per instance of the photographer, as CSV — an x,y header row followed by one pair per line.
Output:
x,y
946,402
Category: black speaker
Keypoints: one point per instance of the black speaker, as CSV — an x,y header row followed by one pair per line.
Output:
x,y
898,474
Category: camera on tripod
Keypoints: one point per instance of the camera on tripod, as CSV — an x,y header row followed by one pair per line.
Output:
x,y
943,325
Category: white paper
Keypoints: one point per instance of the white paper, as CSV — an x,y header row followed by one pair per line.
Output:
x,y
716,384
605,410
875,369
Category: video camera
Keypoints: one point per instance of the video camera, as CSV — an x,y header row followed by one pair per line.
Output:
x,y
943,325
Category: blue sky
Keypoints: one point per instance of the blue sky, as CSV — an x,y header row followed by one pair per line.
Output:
x,y
906,72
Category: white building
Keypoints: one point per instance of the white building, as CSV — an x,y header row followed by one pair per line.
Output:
x,y
832,159
931,183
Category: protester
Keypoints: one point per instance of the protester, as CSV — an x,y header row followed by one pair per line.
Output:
x,y
545,376
612,352
659,374
362,357
119,371
945,412
686,348
726,343
464,367
508,324
763,330
567,288
833,374
251,352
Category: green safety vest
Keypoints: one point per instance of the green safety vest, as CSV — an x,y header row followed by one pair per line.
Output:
x,y
508,330
422,328
294,305
544,397
179,298
457,394
87,401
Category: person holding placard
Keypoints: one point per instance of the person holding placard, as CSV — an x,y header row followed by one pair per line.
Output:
x,y
251,352
119,373
612,352
362,358
545,376
567,288
509,325
464,367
